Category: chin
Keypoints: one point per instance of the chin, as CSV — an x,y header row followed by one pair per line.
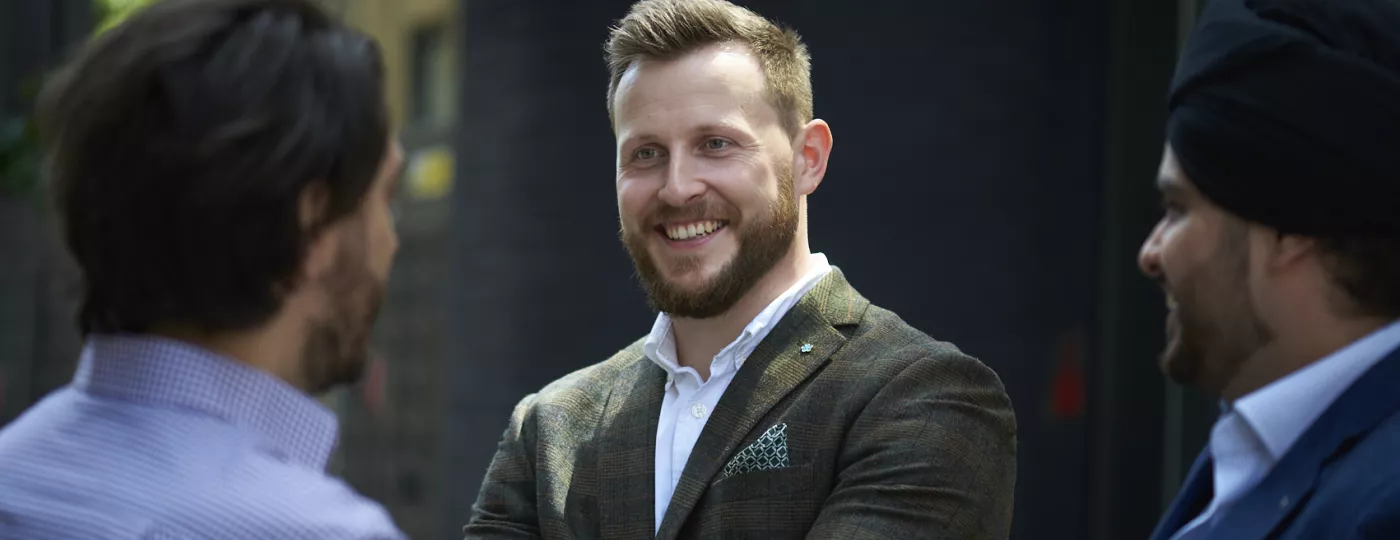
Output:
x,y
690,283
690,271
1184,364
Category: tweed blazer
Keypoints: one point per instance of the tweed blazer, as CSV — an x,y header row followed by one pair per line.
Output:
x,y
889,434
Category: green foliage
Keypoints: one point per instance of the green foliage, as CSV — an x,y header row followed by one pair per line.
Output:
x,y
112,12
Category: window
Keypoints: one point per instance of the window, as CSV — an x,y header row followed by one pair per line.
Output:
x,y
434,77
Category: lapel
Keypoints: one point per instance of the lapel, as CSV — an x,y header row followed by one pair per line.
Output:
x,y
1369,400
1191,500
773,370
627,450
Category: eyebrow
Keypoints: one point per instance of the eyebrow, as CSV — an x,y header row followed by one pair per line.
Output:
x,y
719,126
709,127
635,139
1169,185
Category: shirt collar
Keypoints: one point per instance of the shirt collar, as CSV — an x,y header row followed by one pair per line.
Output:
x,y
159,371
660,345
1281,411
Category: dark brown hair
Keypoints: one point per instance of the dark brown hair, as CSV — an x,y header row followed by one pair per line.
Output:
x,y
180,143
1368,270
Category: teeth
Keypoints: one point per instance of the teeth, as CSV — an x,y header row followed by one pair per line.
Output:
x,y
692,230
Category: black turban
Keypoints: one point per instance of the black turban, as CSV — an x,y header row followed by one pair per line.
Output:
x,y
1287,113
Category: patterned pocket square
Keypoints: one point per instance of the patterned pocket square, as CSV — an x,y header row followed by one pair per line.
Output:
x,y
770,451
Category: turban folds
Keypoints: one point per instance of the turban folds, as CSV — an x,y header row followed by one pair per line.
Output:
x,y
1287,113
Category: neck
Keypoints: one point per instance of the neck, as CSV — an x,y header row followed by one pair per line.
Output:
x,y
699,340
271,348
1291,351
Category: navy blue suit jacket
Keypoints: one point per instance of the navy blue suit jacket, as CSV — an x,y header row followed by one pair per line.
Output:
x,y
1340,480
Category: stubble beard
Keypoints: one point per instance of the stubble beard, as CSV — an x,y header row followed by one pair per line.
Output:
x,y
336,349
1214,328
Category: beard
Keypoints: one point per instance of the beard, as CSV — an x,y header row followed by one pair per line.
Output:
x,y
1214,327
762,243
337,348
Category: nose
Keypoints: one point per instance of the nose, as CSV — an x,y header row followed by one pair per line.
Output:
x,y
682,187
1150,254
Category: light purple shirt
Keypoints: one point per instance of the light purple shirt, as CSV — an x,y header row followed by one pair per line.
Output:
x,y
156,438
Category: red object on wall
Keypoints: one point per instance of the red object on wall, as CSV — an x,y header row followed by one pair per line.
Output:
x,y
1067,385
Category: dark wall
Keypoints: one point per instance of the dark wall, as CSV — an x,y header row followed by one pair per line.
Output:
x,y
544,287
1131,471
33,35
963,194
38,286
967,192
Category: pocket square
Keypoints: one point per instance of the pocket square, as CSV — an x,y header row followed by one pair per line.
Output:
x,y
770,451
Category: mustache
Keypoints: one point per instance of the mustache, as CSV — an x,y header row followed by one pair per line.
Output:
x,y
705,209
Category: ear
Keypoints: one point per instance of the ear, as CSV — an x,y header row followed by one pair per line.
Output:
x,y
1287,250
813,146
312,206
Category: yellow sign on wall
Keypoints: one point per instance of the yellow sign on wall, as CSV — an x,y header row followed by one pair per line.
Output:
x,y
430,173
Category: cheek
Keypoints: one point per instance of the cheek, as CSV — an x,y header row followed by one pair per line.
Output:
x,y
750,191
1177,252
634,198
384,241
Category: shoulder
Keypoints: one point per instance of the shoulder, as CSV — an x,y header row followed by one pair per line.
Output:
x,y
886,348
264,498
586,388
150,472
1358,495
1369,466
1380,517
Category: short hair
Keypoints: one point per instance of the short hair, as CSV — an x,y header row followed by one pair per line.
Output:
x,y
1366,270
669,29
180,143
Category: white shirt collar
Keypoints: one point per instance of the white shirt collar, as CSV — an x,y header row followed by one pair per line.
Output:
x,y
1281,411
660,345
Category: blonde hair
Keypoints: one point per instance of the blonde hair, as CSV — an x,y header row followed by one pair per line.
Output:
x,y
669,29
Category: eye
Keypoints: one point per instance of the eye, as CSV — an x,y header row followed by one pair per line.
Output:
x,y
1172,209
646,153
716,144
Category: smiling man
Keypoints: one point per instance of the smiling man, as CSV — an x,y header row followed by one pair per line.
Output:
x,y
770,398
1280,256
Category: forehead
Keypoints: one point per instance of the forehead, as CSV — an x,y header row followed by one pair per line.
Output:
x,y
716,83
1171,178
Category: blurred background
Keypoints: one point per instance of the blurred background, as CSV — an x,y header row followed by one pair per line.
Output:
x,y
991,182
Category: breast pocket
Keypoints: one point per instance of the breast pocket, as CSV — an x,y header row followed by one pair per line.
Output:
x,y
764,483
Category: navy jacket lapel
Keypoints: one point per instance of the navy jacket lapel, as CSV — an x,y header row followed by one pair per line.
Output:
x,y
1369,400
1191,500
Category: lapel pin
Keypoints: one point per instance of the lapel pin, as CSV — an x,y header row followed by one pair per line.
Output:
x,y
806,348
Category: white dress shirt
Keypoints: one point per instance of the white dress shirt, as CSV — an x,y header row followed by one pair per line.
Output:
x,y
689,401
1257,430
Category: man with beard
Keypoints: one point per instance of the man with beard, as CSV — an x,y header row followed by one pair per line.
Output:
x,y
1280,256
224,170
770,398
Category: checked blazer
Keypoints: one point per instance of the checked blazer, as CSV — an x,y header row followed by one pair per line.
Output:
x,y
886,433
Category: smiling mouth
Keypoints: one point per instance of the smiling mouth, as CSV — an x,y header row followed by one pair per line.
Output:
x,y
691,229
